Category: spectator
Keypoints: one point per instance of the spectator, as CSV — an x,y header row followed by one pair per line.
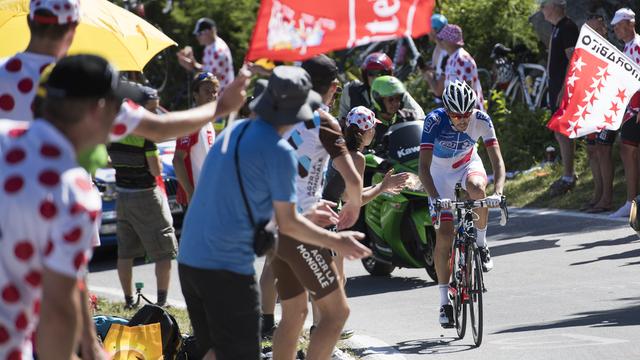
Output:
x,y
599,146
563,40
191,150
624,22
216,248
460,65
216,58
356,93
144,219
49,210
315,142
439,57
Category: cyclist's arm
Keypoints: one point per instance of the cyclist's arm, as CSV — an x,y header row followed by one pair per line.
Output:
x,y
495,156
424,172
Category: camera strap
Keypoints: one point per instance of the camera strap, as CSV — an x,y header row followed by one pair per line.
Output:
x,y
235,156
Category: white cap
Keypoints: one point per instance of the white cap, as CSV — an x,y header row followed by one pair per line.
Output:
x,y
362,117
623,14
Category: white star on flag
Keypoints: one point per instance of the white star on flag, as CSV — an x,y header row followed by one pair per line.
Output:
x,y
572,79
578,64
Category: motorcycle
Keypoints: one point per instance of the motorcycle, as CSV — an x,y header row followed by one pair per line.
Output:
x,y
398,227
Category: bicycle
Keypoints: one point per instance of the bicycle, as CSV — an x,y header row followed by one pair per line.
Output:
x,y
521,81
467,287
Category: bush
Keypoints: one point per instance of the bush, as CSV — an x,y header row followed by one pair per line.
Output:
x,y
522,133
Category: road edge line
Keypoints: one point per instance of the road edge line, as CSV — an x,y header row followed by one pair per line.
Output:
x,y
366,344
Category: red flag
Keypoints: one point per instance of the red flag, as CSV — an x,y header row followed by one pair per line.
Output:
x,y
599,84
290,30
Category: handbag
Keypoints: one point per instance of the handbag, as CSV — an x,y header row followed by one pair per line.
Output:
x,y
263,239
134,342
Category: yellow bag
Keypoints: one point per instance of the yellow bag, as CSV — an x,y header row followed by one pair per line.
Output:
x,y
141,342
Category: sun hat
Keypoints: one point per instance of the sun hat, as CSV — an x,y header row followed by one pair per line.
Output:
x,y
288,98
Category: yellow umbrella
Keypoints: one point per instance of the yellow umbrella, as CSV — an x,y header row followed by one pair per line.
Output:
x,y
105,29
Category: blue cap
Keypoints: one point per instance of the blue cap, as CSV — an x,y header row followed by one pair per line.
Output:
x,y
438,21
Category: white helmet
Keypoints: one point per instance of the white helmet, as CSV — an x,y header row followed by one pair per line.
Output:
x,y
458,97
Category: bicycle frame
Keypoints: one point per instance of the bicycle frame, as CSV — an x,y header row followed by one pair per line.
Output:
x,y
533,98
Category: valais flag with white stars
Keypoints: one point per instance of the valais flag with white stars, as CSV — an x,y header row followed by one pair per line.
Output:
x,y
599,84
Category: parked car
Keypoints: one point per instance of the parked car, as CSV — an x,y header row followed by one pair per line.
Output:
x,y
105,180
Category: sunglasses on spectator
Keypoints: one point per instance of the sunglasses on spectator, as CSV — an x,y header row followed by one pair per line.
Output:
x,y
205,76
459,116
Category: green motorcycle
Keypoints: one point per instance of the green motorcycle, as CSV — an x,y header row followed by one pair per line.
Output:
x,y
398,227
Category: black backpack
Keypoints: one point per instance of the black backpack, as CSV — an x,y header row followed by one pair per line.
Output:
x,y
171,339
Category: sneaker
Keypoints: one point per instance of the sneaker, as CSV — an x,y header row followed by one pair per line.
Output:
x,y
446,316
340,355
130,305
485,257
346,334
624,211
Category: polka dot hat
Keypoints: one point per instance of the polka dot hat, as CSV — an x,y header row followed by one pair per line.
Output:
x,y
64,11
364,118
451,33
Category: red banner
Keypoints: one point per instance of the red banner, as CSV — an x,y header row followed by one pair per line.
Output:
x,y
290,30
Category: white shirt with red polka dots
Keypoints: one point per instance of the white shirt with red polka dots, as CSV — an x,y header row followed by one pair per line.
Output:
x,y
127,120
19,78
48,212
217,60
632,49
461,66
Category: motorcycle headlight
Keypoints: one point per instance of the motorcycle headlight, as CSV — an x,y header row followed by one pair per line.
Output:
x,y
414,183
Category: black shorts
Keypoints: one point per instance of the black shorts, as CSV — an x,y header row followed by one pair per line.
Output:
x,y
605,137
224,309
630,132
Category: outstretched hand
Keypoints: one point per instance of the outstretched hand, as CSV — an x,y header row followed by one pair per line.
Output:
x,y
349,245
322,213
394,183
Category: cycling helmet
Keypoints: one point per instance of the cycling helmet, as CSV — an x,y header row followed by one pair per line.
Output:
x,y
458,97
377,61
385,86
438,21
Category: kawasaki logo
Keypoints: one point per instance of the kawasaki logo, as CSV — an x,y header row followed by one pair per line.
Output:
x,y
408,151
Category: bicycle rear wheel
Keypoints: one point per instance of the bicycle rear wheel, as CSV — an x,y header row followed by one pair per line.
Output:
x,y
459,306
476,287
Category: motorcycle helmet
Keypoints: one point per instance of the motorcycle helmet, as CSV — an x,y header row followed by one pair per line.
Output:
x,y
458,97
377,62
385,86
438,21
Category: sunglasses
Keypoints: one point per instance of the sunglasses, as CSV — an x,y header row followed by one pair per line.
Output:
x,y
458,116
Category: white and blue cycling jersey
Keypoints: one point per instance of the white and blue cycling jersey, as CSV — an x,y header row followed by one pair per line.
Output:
x,y
453,148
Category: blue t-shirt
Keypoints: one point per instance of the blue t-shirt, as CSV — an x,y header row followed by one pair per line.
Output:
x,y
217,233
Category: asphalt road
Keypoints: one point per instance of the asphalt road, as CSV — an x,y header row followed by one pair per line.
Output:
x,y
563,287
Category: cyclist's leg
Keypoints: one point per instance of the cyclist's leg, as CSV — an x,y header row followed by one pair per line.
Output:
x,y
475,181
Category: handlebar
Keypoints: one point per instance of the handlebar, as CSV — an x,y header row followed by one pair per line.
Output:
x,y
470,205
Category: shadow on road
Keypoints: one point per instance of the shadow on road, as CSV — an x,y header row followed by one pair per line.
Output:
x,y
623,255
513,248
621,241
520,225
433,346
625,316
370,285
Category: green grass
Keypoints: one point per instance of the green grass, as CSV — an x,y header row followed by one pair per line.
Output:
x,y
106,307
530,190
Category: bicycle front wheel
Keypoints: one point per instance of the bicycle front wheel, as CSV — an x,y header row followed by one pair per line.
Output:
x,y
459,306
476,287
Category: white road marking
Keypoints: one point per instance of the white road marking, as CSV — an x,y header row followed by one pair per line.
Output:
x,y
554,341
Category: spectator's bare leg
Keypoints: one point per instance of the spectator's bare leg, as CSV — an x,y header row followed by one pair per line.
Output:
x,y
596,171
629,155
285,339
125,269
334,312
268,291
567,151
163,274
606,174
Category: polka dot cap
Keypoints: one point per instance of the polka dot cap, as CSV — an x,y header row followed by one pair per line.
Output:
x,y
364,118
64,11
451,33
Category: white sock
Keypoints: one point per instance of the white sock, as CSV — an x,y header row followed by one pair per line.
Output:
x,y
481,237
444,294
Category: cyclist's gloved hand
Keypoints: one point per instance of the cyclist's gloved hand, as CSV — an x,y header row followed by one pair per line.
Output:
x,y
445,204
494,200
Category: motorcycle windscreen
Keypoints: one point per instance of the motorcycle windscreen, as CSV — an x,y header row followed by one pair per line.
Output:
x,y
403,141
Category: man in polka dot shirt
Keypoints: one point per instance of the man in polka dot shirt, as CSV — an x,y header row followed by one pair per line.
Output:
x,y
460,65
48,211
216,57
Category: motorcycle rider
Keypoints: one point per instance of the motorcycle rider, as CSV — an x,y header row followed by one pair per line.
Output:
x,y
387,101
448,156
356,93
